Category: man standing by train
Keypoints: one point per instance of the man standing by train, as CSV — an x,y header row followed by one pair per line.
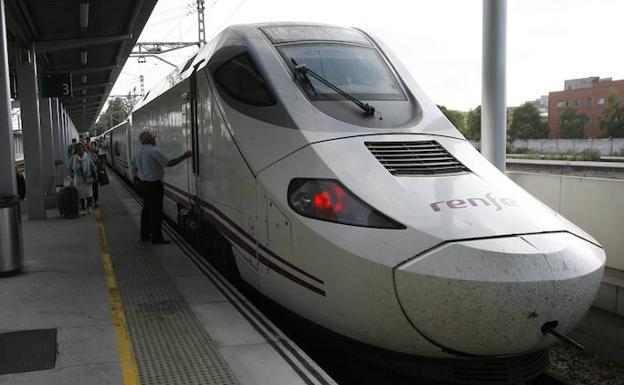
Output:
x,y
149,166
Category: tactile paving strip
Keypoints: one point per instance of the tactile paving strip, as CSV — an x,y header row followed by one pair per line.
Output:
x,y
170,344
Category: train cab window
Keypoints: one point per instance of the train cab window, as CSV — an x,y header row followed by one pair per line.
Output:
x,y
240,79
360,71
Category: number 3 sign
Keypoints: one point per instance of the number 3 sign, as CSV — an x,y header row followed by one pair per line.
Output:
x,y
56,85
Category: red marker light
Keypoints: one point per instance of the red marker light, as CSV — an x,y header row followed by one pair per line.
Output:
x,y
322,200
329,200
340,197
332,202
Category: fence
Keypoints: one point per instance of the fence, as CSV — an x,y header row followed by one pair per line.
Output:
x,y
609,146
595,204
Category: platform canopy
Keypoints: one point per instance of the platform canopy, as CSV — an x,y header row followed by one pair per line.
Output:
x,y
90,39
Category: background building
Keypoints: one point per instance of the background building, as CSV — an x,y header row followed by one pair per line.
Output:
x,y
587,95
542,105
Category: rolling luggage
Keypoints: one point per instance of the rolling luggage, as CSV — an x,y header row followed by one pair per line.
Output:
x,y
102,177
67,202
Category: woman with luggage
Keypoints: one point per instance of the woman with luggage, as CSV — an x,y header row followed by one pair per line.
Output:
x,y
84,172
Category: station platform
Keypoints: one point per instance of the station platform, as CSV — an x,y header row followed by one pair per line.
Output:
x,y
120,311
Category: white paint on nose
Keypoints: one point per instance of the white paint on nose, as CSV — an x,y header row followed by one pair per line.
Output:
x,y
491,296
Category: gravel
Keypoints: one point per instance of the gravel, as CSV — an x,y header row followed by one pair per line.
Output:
x,y
582,368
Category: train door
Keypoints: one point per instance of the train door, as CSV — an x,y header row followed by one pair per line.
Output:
x,y
189,213
193,117
229,183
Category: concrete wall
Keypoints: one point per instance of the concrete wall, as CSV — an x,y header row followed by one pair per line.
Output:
x,y
594,204
610,146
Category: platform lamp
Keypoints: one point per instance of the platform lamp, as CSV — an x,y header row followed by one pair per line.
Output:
x,y
84,15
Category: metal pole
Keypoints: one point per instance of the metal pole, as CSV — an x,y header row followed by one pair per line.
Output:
x,y
29,103
57,131
201,27
63,131
8,185
66,128
66,138
494,103
11,242
59,146
47,143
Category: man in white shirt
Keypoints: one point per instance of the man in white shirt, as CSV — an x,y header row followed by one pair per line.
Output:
x,y
101,150
149,166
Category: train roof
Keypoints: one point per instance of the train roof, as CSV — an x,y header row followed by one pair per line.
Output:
x,y
255,37
276,32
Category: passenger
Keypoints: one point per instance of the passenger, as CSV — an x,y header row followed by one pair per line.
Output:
x,y
83,171
71,148
101,150
21,183
149,165
95,187
85,143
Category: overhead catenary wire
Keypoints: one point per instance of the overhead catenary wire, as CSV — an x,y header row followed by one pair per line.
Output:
x,y
157,22
231,15
180,12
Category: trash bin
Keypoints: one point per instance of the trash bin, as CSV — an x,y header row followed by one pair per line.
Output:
x,y
11,247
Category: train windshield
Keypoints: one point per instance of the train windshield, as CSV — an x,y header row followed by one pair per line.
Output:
x,y
359,71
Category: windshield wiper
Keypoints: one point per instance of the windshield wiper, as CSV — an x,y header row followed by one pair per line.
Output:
x,y
303,75
305,71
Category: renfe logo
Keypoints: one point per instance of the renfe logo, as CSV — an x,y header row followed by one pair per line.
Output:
x,y
489,200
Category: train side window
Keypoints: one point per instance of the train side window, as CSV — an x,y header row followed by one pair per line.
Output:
x,y
240,78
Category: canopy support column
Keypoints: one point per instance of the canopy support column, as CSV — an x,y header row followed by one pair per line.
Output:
x,y
494,103
29,104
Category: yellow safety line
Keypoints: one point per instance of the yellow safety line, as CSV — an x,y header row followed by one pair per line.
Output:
x,y
124,347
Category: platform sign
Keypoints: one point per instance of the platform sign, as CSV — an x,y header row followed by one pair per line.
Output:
x,y
56,85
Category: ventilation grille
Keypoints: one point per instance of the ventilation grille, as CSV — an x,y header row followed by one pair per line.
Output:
x,y
514,370
415,158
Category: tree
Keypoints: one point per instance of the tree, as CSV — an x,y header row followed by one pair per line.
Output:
x,y
473,124
526,123
118,110
456,117
612,118
572,123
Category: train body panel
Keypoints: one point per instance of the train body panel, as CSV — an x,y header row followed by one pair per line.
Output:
x,y
386,227
225,178
434,208
120,150
167,118
492,296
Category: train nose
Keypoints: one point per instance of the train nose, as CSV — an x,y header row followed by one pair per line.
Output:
x,y
492,296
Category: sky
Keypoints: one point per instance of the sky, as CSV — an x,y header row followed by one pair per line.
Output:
x,y
438,41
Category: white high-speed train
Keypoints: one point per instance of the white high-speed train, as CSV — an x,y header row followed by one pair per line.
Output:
x,y
348,197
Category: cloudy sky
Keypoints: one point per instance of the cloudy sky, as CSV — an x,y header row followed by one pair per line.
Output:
x,y
439,41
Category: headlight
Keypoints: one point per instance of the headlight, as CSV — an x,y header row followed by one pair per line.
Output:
x,y
329,200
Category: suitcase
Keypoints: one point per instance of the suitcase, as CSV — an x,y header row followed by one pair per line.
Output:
x,y
67,202
102,177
